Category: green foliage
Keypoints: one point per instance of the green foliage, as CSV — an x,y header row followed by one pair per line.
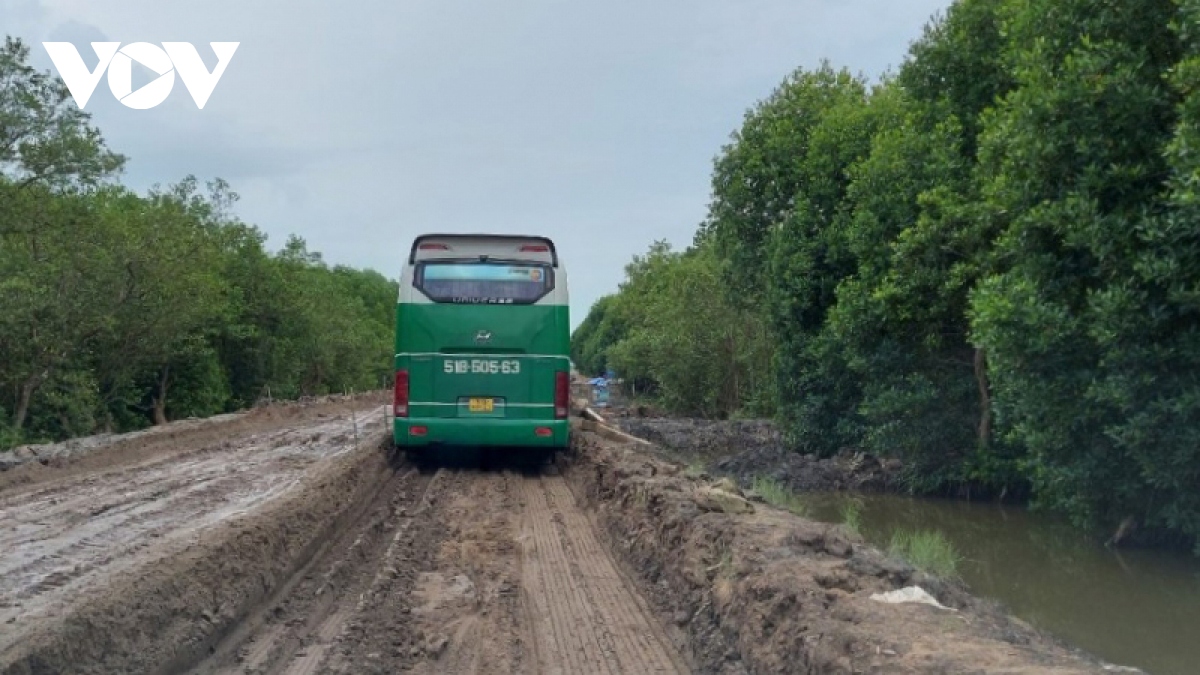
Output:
x,y
601,329
851,512
926,550
685,338
118,310
678,338
779,495
47,140
695,469
1084,340
757,177
985,265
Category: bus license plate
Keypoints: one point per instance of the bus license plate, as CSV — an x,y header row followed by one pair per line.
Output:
x,y
480,405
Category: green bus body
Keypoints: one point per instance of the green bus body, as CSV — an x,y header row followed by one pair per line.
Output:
x,y
511,355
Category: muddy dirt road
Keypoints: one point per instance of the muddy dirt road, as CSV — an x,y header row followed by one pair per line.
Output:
x,y
297,545
62,538
291,541
459,571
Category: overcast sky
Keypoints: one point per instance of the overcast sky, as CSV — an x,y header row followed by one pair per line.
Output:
x,y
358,125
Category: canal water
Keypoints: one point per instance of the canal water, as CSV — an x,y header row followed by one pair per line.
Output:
x,y
1136,608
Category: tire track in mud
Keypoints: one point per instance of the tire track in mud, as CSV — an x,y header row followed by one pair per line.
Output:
x,y
469,606
457,572
591,620
295,631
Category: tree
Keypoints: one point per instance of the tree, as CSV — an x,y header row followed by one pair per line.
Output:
x,y
599,331
901,319
174,291
47,281
681,339
1073,168
757,176
44,138
119,309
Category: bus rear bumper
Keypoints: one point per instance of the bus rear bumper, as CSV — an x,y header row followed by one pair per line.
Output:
x,y
493,432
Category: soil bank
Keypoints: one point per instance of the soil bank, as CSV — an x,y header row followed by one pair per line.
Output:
x,y
769,592
750,449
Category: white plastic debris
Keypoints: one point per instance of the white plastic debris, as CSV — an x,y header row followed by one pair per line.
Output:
x,y
909,594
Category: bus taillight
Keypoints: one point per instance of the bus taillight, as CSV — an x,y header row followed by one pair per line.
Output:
x,y
401,400
562,395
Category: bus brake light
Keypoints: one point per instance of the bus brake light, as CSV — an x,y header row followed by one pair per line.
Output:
x,y
434,247
401,400
562,395
535,248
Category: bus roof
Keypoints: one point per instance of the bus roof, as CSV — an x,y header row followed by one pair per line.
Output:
x,y
503,246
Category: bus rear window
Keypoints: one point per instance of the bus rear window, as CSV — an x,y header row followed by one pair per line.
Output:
x,y
483,283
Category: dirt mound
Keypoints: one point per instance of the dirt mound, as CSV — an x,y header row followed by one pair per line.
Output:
x,y
705,439
168,612
769,592
31,464
748,449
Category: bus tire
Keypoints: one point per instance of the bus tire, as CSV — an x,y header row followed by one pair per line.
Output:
x,y
414,455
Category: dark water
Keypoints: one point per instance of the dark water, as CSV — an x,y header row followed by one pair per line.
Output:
x,y
1136,608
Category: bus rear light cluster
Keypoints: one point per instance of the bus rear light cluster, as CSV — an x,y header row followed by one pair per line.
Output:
x,y
562,395
400,403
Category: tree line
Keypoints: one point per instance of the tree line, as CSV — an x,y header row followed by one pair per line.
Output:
x,y
986,264
120,310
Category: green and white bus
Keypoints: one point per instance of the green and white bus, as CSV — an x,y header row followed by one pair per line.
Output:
x,y
482,336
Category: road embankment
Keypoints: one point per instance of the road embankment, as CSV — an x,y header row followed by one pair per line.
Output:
x,y
748,449
759,590
146,566
299,546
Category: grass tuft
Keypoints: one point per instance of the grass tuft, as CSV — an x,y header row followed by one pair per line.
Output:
x,y
926,550
779,495
852,515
